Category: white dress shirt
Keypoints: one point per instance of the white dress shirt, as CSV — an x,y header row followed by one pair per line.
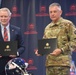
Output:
x,y
8,30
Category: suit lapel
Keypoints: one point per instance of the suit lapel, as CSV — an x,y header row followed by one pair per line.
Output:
x,y
11,33
1,38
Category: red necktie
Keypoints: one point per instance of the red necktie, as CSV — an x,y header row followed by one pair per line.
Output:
x,y
5,34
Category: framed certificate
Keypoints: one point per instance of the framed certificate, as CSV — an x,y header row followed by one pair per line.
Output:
x,y
8,48
46,46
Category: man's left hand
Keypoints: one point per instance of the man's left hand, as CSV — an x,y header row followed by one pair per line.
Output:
x,y
56,52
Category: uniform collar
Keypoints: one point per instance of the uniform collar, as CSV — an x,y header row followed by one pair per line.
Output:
x,y
57,23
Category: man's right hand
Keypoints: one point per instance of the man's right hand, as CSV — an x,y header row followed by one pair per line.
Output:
x,y
0,56
36,52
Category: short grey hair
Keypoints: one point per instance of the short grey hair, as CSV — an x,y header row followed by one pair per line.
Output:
x,y
6,9
55,4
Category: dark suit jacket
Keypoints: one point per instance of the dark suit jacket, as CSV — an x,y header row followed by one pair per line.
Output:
x,y
15,35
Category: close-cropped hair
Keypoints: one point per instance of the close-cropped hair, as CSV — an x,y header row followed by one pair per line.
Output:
x,y
55,4
6,9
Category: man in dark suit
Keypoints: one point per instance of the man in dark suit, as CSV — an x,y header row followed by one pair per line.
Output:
x,y
14,34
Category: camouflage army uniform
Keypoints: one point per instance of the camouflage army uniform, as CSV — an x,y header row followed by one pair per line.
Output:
x,y
64,31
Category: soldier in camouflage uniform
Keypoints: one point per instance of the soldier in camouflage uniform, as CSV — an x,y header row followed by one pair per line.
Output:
x,y
58,62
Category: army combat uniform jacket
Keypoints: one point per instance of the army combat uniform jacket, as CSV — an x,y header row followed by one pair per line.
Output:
x,y
64,31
